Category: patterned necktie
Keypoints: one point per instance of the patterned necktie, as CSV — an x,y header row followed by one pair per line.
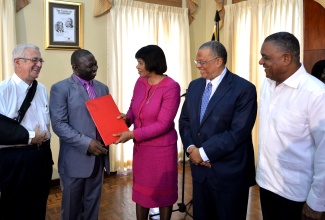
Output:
x,y
90,91
205,99
92,95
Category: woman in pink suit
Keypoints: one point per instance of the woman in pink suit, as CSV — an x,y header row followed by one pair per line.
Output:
x,y
155,101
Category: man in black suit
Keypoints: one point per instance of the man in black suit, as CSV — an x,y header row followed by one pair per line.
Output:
x,y
218,141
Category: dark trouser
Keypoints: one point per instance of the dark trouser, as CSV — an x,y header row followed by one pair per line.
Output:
x,y
209,203
25,179
275,207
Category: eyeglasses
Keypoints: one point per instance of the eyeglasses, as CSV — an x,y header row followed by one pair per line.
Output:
x,y
204,62
34,60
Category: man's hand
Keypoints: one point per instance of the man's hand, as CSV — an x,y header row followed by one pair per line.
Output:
x,y
310,214
40,136
194,156
207,164
96,148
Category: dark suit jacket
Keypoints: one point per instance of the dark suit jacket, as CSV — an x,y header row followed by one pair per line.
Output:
x,y
11,132
225,131
74,126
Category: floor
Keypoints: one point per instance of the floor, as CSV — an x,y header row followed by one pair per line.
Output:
x,y
116,202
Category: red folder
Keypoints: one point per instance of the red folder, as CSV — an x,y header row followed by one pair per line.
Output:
x,y
104,112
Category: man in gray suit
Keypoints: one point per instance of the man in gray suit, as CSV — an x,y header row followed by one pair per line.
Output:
x,y
82,154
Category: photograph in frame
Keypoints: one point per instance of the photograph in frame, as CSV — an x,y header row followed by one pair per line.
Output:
x,y
63,25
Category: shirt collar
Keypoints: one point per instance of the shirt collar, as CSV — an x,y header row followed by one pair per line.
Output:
x,y
82,81
20,83
218,79
294,80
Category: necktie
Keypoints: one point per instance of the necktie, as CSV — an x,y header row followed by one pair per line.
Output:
x,y
90,90
92,95
205,99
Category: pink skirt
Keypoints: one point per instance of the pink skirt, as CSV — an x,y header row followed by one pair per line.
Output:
x,y
155,175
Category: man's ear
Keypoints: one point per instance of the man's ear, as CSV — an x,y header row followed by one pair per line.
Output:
x,y
74,67
219,61
17,61
287,58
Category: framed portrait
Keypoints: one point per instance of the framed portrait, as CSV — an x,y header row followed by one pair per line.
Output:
x,y
63,25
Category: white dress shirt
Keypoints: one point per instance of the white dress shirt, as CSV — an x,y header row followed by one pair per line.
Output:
x,y
292,139
12,94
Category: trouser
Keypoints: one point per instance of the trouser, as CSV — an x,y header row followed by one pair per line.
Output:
x,y
25,179
81,196
275,207
211,203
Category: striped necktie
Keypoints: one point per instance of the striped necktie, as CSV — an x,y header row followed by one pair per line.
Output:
x,y
205,99
90,90
92,95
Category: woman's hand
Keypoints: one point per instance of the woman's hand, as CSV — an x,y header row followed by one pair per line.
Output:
x,y
125,118
124,137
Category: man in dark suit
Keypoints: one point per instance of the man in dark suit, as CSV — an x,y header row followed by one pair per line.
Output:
x,y
82,155
218,141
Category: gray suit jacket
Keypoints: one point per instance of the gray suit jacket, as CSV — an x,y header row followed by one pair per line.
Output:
x,y
72,123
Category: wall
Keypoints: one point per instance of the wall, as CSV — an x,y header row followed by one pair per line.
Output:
x,y
201,29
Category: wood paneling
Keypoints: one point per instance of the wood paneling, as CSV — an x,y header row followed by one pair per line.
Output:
x,y
175,3
236,1
311,57
314,33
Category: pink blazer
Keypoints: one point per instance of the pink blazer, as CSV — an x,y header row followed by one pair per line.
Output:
x,y
154,120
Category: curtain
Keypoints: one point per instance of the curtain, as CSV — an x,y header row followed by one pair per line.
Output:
x,y
246,26
7,37
132,25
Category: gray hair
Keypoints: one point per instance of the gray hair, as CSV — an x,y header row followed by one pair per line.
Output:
x,y
19,50
216,49
286,43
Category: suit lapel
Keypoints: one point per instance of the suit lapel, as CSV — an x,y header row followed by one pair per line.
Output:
x,y
79,87
97,88
198,98
224,86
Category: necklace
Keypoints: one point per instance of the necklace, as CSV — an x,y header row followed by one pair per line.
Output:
x,y
150,95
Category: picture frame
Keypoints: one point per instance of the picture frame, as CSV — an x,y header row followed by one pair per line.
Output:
x,y
63,25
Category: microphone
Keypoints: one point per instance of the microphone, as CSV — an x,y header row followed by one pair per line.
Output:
x,y
184,94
